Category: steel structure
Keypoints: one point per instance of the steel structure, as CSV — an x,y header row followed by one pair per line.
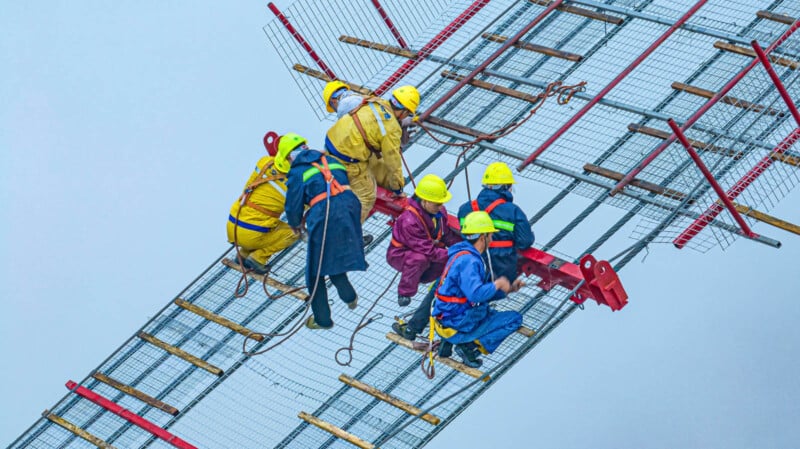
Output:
x,y
686,128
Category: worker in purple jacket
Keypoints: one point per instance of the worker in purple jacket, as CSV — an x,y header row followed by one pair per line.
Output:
x,y
420,238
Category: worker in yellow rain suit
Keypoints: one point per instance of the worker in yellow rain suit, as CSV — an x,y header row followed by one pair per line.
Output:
x,y
367,141
254,222
338,98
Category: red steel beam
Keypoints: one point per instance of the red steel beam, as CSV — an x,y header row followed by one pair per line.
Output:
x,y
703,109
434,43
611,85
389,24
128,415
711,180
711,213
507,44
776,80
301,40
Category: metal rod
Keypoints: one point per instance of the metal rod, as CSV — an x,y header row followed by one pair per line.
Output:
x,y
508,43
611,85
299,38
389,24
776,80
703,109
434,43
734,191
711,180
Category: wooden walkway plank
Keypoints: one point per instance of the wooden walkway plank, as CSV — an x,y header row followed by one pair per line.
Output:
x,y
335,431
178,352
733,101
323,77
77,430
744,51
583,12
458,366
496,88
780,18
389,399
271,282
649,186
535,48
222,321
130,391
391,49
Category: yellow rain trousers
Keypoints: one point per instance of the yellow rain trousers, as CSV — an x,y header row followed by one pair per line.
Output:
x,y
364,170
260,235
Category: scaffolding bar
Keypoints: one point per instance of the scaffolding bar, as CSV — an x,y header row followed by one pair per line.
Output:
x,y
794,65
506,45
336,431
180,353
389,23
534,48
733,101
710,178
768,219
77,430
610,85
702,110
391,49
301,40
734,191
140,395
129,416
434,43
491,87
780,18
389,399
776,80
221,320
321,76
583,12
293,291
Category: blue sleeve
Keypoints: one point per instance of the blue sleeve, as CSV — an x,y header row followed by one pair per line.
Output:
x,y
470,281
523,234
294,198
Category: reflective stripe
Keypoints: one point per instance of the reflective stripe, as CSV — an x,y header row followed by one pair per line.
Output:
x,y
244,224
504,225
279,188
314,170
332,150
378,118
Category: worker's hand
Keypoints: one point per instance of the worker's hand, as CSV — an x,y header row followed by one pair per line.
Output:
x,y
399,194
517,285
502,283
297,231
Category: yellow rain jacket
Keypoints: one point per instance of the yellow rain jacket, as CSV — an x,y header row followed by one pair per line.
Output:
x,y
345,141
259,231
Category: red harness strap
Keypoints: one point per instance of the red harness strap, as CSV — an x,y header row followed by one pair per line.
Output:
x,y
455,299
336,188
436,241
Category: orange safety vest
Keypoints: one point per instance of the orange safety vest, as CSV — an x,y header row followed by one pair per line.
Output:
x,y
455,299
488,210
436,241
335,189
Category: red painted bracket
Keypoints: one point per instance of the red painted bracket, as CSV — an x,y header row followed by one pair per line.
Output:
x,y
128,415
601,281
271,142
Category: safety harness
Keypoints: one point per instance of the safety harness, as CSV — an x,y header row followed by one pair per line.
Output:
x,y
261,179
447,332
499,224
371,102
333,187
436,241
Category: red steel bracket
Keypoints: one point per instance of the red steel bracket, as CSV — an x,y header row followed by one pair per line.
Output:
x,y
601,281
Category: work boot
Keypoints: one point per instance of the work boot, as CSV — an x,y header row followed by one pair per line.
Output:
x,y
255,266
445,349
403,331
311,324
403,301
368,239
467,353
353,304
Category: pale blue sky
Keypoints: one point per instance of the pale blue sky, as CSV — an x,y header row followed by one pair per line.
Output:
x,y
126,129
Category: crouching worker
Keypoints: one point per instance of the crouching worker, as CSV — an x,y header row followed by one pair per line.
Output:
x,y
461,309
420,237
334,229
254,222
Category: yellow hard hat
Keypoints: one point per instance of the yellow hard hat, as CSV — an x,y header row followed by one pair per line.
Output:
x,y
432,188
330,88
408,97
498,173
478,222
286,144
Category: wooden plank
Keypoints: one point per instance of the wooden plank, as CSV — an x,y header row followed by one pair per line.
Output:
x,y
321,76
222,321
398,51
535,48
178,352
702,146
455,127
786,159
794,65
130,391
271,282
733,101
472,372
389,399
77,430
583,12
768,219
496,88
526,331
335,431
649,186
781,18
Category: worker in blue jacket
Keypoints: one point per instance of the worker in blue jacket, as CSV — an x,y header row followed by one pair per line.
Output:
x,y
461,311
334,228
514,230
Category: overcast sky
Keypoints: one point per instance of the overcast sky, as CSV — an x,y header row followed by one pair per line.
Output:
x,y
126,129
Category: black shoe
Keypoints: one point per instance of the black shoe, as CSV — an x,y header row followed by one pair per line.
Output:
x,y
403,331
468,356
403,301
255,267
445,349
367,239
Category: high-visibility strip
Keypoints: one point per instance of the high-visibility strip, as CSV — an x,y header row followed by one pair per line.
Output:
x,y
504,225
389,399
129,416
246,225
378,118
77,431
178,352
501,244
130,391
314,170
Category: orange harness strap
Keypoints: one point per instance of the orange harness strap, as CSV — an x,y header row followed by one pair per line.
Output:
x,y
250,188
436,241
357,121
490,207
336,188
456,299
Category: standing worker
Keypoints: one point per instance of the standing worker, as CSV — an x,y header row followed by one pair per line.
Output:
x,y
254,222
367,141
461,309
514,230
334,229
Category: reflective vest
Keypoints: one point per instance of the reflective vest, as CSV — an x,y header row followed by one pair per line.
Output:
x,y
333,186
436,241
499,224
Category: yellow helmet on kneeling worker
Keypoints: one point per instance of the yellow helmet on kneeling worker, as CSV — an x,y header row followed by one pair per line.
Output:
x,y
432,188
476,223
286,144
